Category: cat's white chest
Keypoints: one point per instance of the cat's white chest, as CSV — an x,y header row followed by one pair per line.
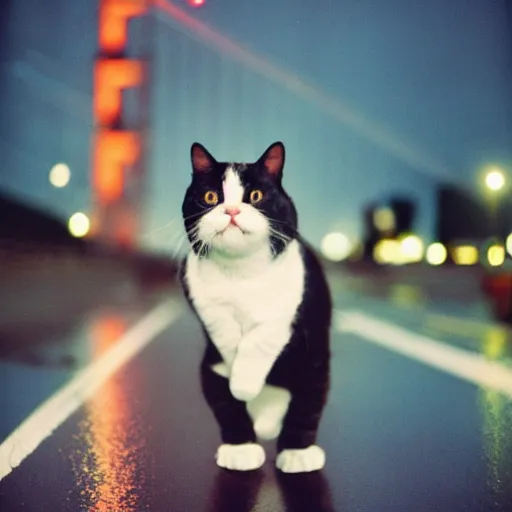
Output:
x,y
244,301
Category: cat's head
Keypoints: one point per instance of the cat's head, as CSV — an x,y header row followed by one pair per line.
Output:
x,y
236,209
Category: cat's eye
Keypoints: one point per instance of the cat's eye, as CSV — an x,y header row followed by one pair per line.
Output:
x,y
211,197
256,196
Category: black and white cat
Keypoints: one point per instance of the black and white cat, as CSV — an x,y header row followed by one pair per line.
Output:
x,y
262,298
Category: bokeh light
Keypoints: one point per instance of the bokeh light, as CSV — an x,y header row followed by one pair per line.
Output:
x,y
196,3
465,255
384,219
495,179
336,246
411,248
508,244
387,252
60,174
496,255
436,254
79,224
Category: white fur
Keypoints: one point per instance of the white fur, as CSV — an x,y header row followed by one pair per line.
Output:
x,y
221,369
240,457
232,188
301,461
267,410
248,308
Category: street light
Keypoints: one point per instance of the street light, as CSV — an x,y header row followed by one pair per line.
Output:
x,y
59,175
79,224
495,182
495,179
336,246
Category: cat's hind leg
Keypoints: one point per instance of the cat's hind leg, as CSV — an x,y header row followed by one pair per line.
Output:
x,y
296,445
239,450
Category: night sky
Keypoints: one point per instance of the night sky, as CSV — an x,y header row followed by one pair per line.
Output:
x,y
371,99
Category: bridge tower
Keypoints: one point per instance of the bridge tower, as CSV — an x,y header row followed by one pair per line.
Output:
x,y
121,118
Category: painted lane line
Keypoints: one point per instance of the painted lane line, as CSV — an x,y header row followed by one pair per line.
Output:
x,y
469,366
60,406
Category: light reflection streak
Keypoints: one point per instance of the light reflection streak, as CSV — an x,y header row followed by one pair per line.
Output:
x,y
107,472
497,422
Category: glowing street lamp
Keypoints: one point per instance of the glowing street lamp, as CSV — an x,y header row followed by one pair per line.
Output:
x,y
495,182
79,224
59,175
336,246
495,179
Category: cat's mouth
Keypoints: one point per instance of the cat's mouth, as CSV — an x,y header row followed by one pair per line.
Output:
x,y
231,226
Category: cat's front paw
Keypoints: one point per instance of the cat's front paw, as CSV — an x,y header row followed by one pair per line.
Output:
x,y
301,461
240,457
245,388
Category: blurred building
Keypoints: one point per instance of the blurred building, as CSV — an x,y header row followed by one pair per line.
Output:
x,y
404,211
388,220
466,215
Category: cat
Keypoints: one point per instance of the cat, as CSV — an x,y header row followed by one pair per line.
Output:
x,y
262,298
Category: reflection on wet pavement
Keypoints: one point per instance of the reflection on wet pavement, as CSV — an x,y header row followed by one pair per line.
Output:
x,y
274,491
406,296
496,412
111,446
307,491
497,425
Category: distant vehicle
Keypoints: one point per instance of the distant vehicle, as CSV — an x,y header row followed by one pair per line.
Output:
x,y
498,287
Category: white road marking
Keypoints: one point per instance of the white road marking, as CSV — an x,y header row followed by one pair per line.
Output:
x,y
60,406
466,365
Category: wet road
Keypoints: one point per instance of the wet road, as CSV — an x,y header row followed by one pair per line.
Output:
x,y
401,434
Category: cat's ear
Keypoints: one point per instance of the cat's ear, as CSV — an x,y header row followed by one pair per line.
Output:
x,y
202,161
273,159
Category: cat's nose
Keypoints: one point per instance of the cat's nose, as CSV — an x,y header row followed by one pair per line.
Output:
x,y
232,211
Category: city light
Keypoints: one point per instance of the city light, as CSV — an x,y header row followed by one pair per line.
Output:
x,y
496,255
387,252
508,244
60,175
436,254
79,224
336,246
495,179
465,255
411,248
384,219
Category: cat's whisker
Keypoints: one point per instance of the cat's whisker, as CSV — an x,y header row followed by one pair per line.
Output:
x,y
202,212
277,221
202,246
179,245
204,209
280,236
193,234
288,227
167,225
277,231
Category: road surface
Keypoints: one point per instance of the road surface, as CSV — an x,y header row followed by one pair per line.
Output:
x,y
101,408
